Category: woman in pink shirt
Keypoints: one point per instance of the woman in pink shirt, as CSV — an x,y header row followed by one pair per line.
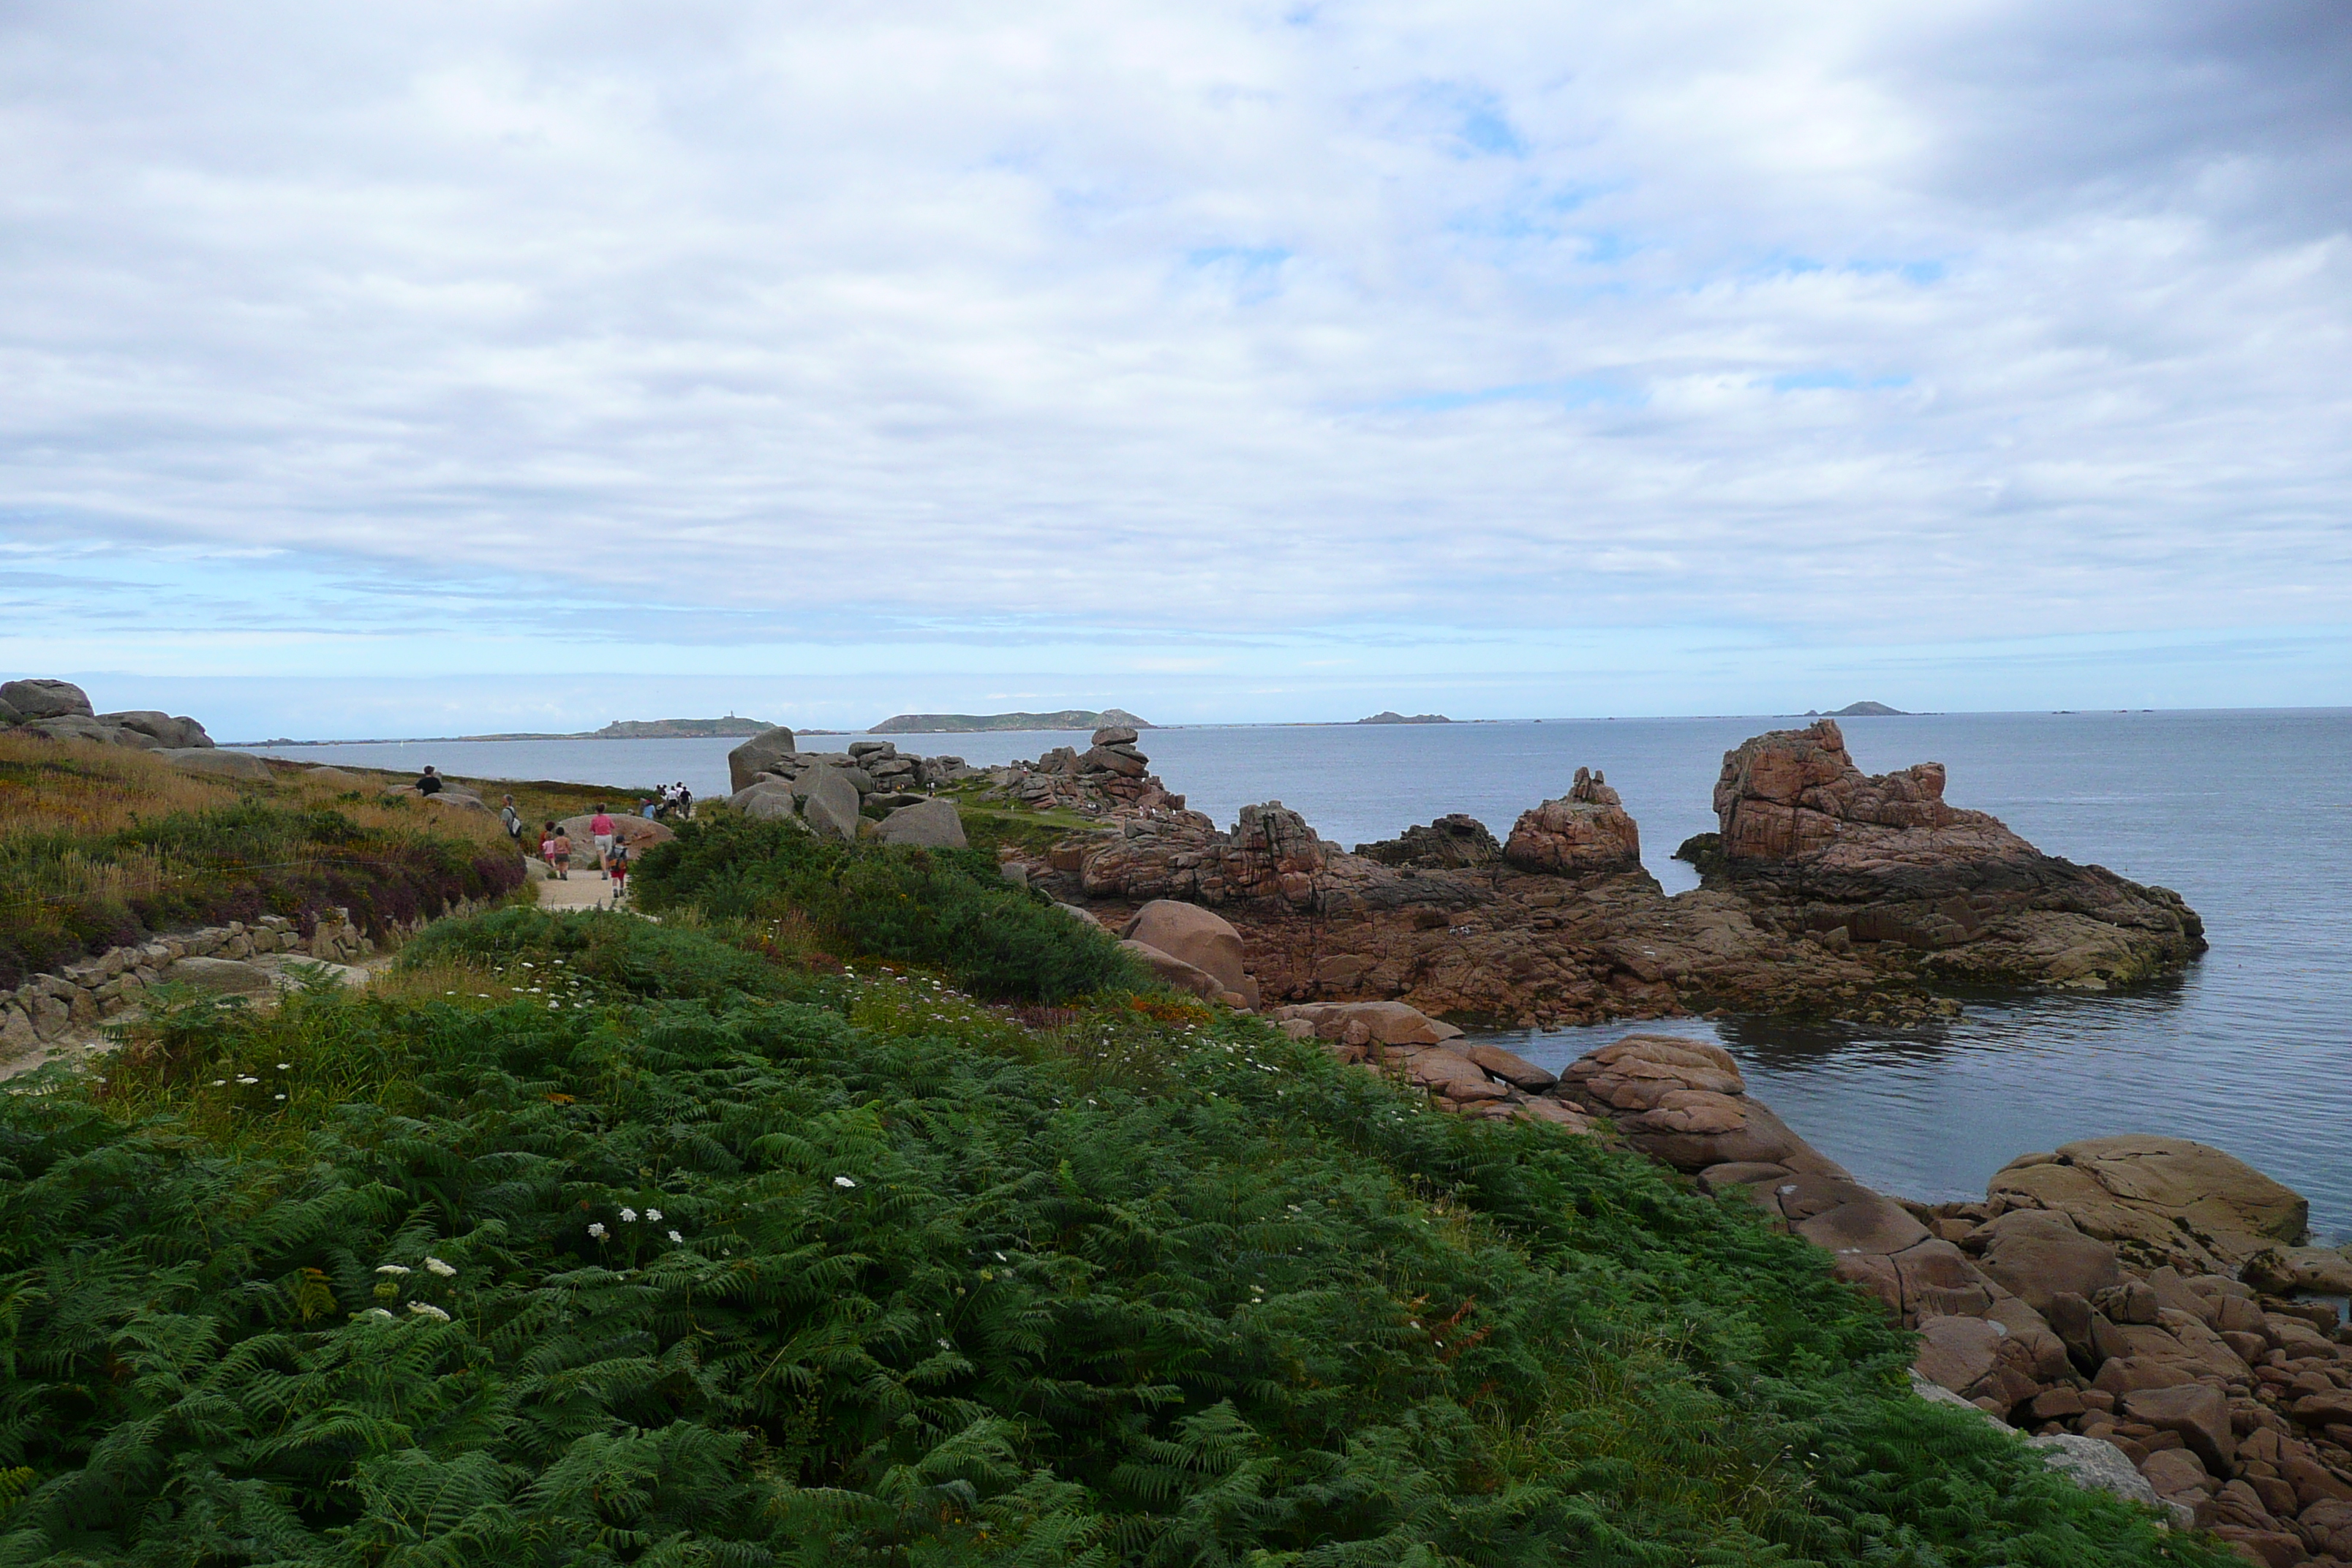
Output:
x,y
600,828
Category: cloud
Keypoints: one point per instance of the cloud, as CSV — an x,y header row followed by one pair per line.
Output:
x,y
729,326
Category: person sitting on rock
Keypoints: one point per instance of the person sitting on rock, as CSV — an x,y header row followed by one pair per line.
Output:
x,y
430,784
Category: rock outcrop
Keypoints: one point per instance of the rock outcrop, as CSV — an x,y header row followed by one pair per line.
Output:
x,y
60,710
757,755
2159,1202
1883,899
1199,938
1827,851
1110,777
829,791
1586,830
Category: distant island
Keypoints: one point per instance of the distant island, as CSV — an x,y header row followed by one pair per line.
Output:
x,y
677,728
1858,711
977,723
1393,717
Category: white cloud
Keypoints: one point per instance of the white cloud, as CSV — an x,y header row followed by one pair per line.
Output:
x,y
736,326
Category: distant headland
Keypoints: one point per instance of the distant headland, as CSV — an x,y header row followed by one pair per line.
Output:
x,y
1391,716
1860,710
978,723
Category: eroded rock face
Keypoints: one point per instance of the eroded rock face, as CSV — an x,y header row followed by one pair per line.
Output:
x,y
1199,937
1824,849
756,755
40,698
1586,830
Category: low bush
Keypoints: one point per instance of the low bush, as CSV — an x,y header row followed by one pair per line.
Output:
x,y
943,908
680,1273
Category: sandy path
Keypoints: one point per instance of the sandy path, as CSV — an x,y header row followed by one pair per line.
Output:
x,y
584,890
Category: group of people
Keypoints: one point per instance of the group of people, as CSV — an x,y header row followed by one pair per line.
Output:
x,y
555,847
672,800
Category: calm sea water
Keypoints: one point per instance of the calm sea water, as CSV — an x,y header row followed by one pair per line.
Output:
x,y
2248,814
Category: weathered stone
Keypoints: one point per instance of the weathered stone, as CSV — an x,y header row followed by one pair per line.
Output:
x,y
1957,1353
828,802
929,824
1201,938
1121,760
162,729
2095,1466
1514,1071
757,755
2160,1200
766,799
41,699
2198,1412
639,833
224,975
1383,1023
1585,831
2037,1255
1454,841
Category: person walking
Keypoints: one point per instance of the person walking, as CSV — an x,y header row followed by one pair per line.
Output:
x,y
620,867
512,819
559,849
430,784
600,828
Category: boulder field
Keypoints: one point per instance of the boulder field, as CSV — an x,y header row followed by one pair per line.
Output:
x,y
1827,891
827,791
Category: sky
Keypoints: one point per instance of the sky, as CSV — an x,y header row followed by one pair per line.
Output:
x,y
442,368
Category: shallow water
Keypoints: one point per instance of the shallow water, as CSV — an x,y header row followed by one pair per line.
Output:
x,y
2247,813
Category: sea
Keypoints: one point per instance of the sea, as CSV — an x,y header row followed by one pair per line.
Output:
x,y
2247,813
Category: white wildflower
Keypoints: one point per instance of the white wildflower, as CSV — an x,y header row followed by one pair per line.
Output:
x,y
556,1004
435,1266
653,1216
946,1346
220,1083
678,1238
284,1066
277,1096
375,1314
425,1309
843,1182
597,1230
391,1268
629,1216
242,1078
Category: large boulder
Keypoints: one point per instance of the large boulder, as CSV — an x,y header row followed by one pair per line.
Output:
x,y
1205,940
2160,1200
45,698
162,729
1584,831
926,824
2038,1255
229,976
754,756
1371,1023
82,726
1122,760
226,765
828,802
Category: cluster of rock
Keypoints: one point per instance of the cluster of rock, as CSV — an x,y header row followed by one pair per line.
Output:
x,y
47,1008
1844,856
1111,775
60,710
1880,896
829,791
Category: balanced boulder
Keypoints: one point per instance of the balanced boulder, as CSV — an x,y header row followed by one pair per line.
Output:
x,y
1584,831
828,802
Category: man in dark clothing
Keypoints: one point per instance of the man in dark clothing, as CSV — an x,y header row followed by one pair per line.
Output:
x,y
430,784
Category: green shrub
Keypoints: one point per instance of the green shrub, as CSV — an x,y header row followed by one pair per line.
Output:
x,y
945,909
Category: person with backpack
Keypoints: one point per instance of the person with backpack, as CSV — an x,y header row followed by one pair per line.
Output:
x,y
511,818
619,866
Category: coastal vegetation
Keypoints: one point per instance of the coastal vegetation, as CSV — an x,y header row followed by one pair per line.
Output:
x,y
865,1209
104,845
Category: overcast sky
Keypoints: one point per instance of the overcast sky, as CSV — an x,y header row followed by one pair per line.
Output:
x,y
366,369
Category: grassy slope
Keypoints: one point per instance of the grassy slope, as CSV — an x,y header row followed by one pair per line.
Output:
x,y
101,845
1141,1285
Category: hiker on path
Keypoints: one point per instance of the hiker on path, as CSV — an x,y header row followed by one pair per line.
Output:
x,y
430,784
559,851
620,865
512,819
600,828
